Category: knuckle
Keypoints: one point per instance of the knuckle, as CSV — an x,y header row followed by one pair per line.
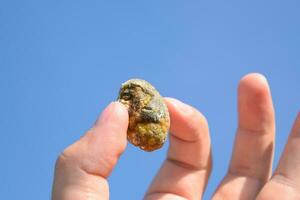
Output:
x,y
61,161
285,181
65,159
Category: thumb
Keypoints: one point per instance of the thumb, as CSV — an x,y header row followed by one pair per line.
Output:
x,y
84,166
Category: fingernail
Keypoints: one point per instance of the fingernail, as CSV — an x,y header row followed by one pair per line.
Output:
x,y
182,107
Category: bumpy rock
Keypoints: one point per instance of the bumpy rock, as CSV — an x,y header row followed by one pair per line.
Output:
x,y
149,119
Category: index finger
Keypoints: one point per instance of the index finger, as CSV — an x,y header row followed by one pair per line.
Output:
x,y
185,172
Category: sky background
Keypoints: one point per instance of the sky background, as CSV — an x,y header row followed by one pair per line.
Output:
x,y
62,62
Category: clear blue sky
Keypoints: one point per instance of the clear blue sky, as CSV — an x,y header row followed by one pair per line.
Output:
x,y
62,62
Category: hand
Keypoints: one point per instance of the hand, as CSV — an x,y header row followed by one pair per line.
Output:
x,y
82,168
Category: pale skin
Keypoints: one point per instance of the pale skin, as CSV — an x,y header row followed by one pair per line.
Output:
x,y
83,168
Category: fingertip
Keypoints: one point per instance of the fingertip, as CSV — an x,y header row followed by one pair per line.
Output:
x,y
179,106
183,108
255,105
186,121
254,84
115,112
254,75
120,110
254,93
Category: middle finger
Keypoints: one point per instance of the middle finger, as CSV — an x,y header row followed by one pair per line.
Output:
x,y
252,157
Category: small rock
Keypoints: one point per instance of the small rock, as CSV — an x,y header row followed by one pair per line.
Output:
x,y
149,120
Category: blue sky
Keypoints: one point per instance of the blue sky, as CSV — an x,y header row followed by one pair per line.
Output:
x,y
62,62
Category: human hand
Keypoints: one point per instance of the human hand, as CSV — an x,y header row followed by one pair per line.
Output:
x,y
82,169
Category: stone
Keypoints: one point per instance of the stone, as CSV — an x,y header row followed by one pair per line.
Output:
x,y
149,120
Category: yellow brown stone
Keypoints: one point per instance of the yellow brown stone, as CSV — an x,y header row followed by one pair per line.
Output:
x,y
149,119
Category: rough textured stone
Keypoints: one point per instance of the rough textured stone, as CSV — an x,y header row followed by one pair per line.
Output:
x,y
149,119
